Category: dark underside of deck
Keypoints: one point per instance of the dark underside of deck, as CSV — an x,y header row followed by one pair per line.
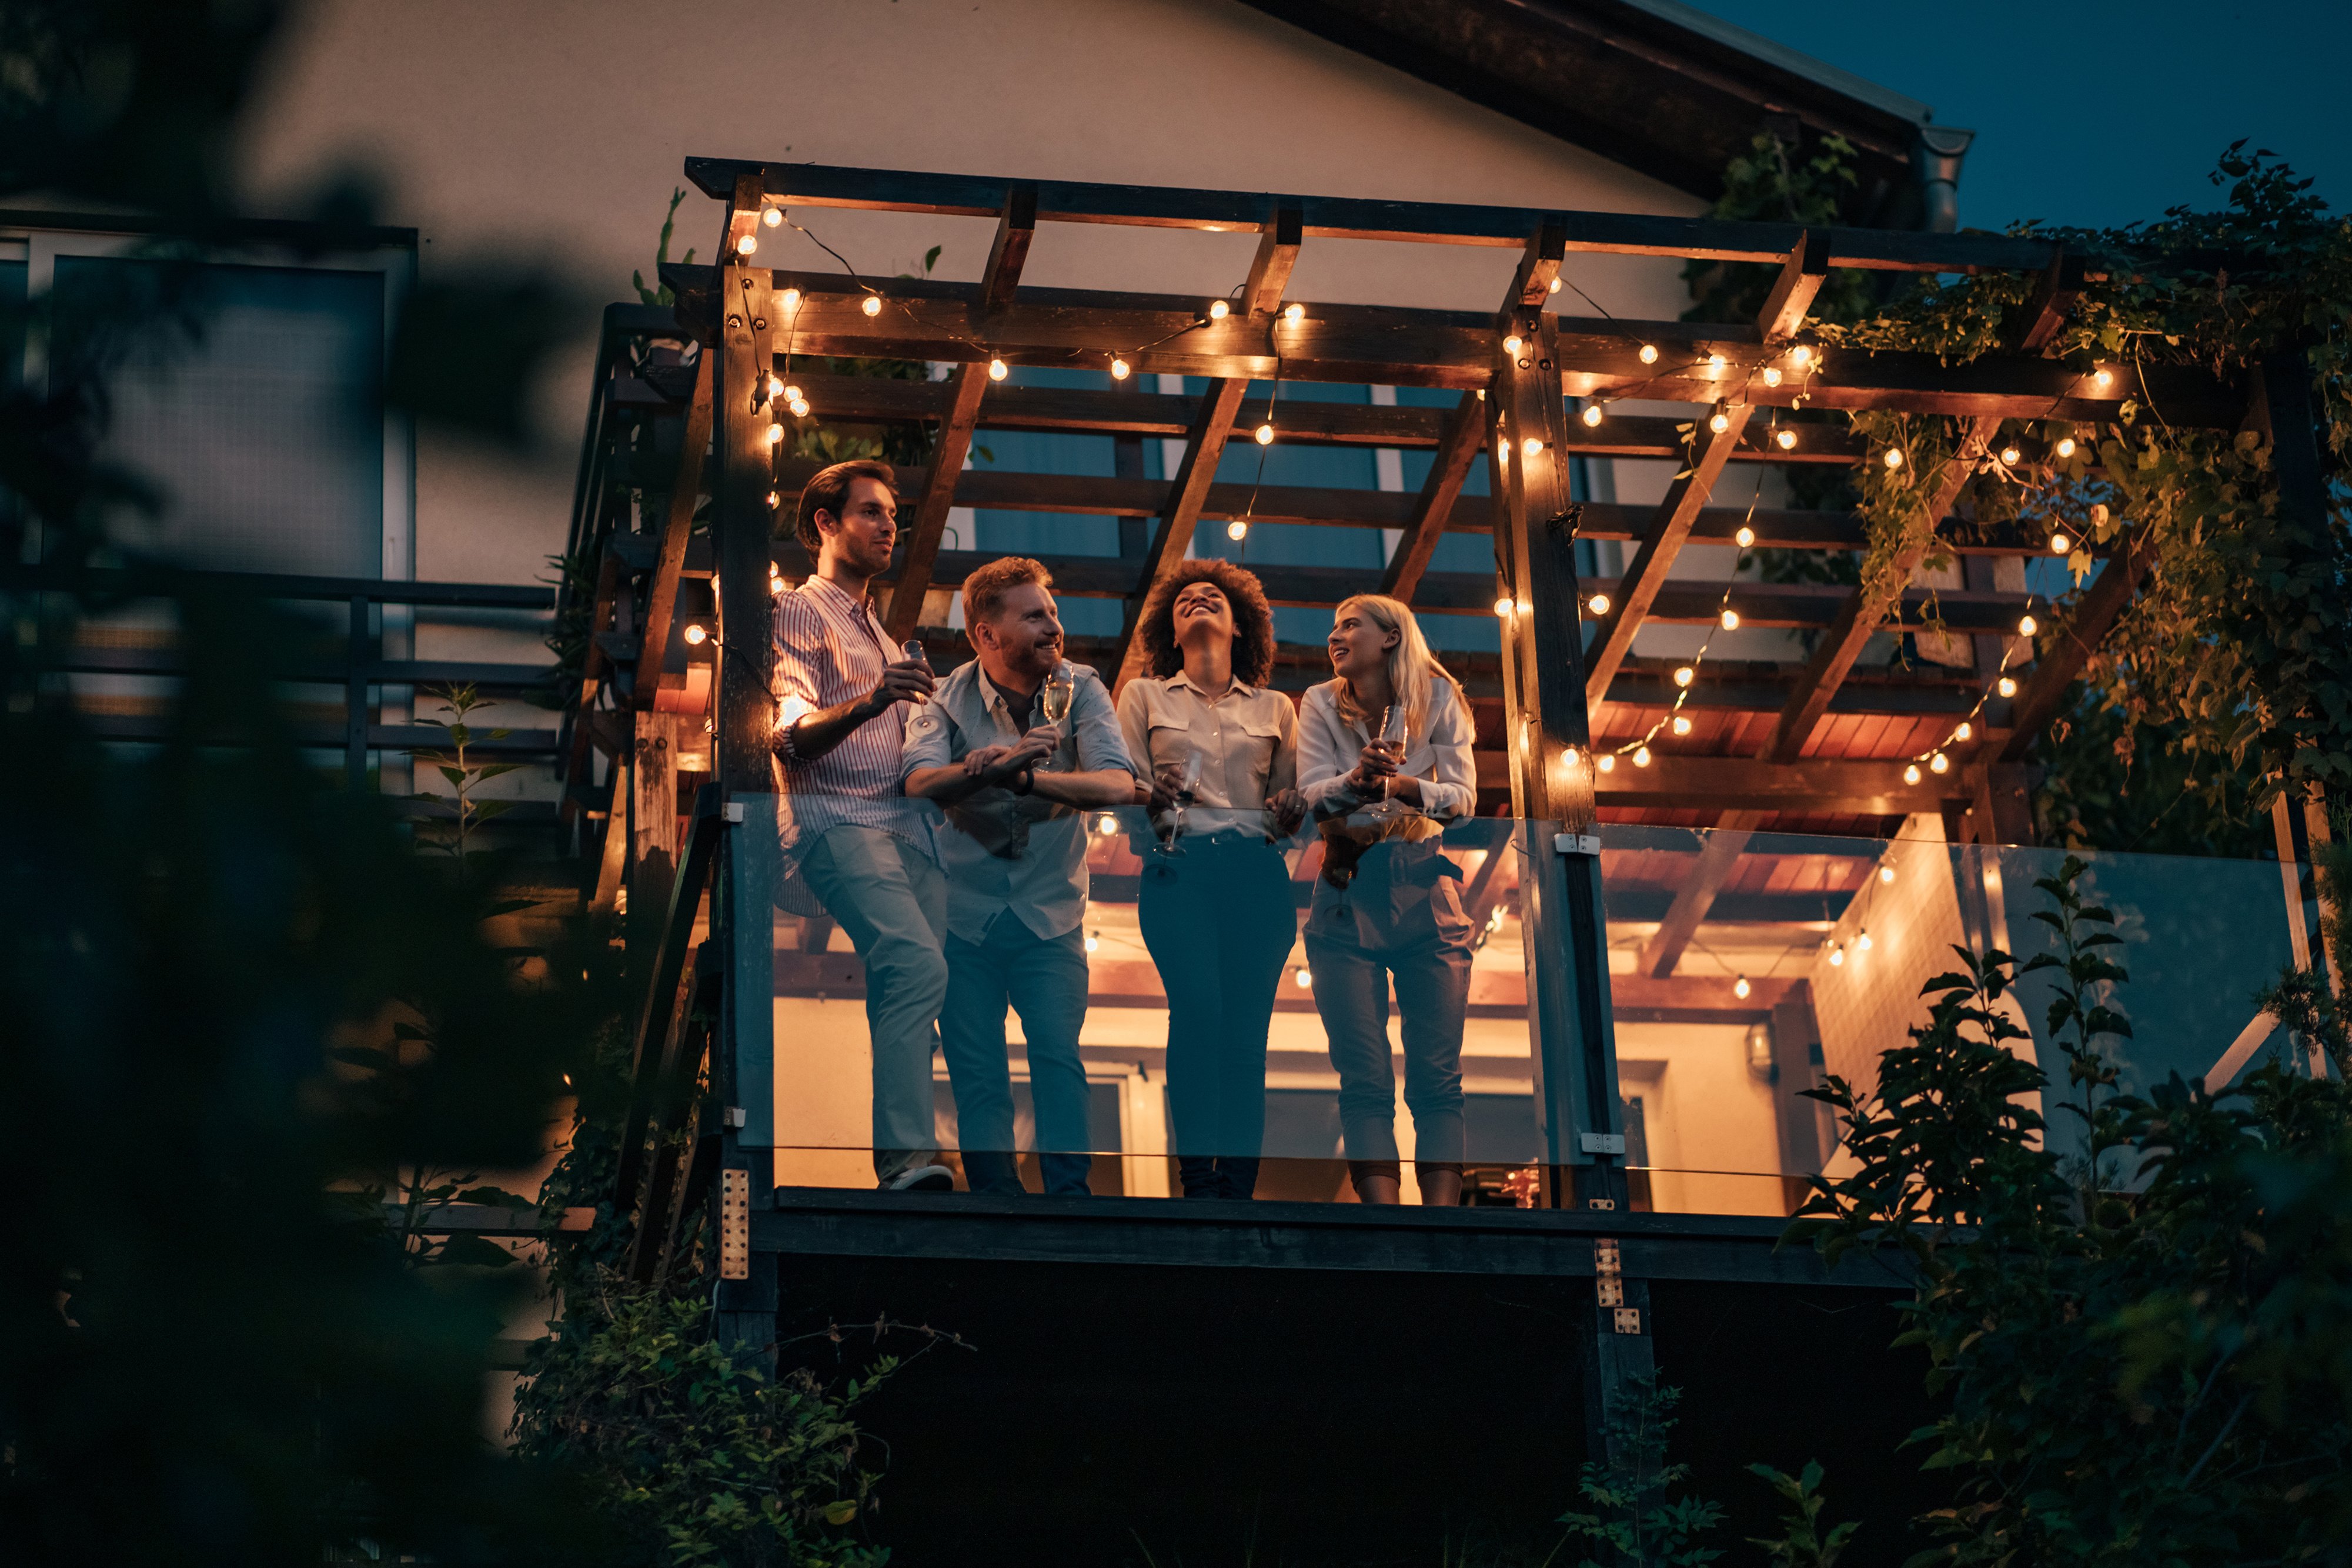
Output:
x,y
1214,1384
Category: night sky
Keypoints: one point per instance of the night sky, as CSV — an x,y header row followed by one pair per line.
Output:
x,y
2095,112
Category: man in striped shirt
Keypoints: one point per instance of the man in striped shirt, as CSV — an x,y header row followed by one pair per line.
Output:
x,y
855,847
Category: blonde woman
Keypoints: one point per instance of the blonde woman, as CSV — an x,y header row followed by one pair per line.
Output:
x,y
1383,762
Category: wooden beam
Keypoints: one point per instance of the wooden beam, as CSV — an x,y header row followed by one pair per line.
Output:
x,y
1802,273
1835,654
1178,515
1718,859
1342,217
1015,228
661,592
915,568
1810,785
1269,274
1433,510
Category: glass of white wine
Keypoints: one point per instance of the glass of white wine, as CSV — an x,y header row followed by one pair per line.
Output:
x,y
1059,687
1392,742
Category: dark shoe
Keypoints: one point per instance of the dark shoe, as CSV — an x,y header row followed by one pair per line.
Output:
x,y
996,1175
1200,1176
1237,1177
922,1179
1065,1174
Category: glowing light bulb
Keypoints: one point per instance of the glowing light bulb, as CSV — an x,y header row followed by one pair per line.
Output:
x,y
2006,686
1531,447
1569,757
1862,941
1801,356
1939,763
1265,434
696,634
1837,956
1094,940
775,585
1681,725
1302,979
998,370
1740,988
1237,529
1684,674
1785,439
2060,544
773,217
1106,824
2099,514
1744,537
746,245
1649,354
1718,422
1963,730
1730,619
2103,379
1771,376
775,499
1511,345
2027,625
1592,414
1911,774
1893,458
799,406
1641,757
1886,873
1503,607
1606,762
1716,361
1555,287
2065,447
1294,314
873,305
2011,456
1598,604
775,436
790,299
1219,309
1119,370
775,386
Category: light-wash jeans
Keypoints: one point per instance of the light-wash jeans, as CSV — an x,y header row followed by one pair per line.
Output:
x,y
892,900
1043,978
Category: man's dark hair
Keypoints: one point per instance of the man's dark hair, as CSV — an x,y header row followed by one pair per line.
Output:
x,y
829,492
984,590
1252,620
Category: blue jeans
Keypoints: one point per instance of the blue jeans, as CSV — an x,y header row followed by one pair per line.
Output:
x,y
1043,978
1219,922
1433,991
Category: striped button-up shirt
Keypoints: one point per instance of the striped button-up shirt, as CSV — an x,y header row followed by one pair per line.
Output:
x,y
830,649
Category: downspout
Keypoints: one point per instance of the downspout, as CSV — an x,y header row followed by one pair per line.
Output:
x,y
1937,161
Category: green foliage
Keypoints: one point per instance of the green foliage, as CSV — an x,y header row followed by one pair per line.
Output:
x,y
1773,182
1633,1520
2110,783
461,773
695,1453
665,295
2147,1358
1801,1543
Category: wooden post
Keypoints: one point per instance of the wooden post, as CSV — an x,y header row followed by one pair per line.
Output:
x,y
743,915
1549,736
653,815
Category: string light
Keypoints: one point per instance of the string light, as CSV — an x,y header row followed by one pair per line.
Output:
x,y
1119,369
696,635
1963,730
1911,773
1886,873
794,393
772,217
1219,309
1717,362
2060,544
1863,940
1681,725
775,386
1649,354
2006,686
1939,763
1740,988
1265,434
1302,979
1684,674
800,407
1592,415
2010,456
1569,757
2103,378
1531,447
1641,757
1801,356
2027,625
790,299
1893,458
1744,537
1294,314
1731,620
1511,345
1718,422
1503,607
775,585
775,436
873,305
1598,604
1771,376
1606,762
746,245
775,499
1106,824
1555,287
1837,956
1787,439
2099,514
1094,940
1237,530
2065,447
998,370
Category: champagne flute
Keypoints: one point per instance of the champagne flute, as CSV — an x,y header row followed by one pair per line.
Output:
x,y
913,650
1060,686
1392,742
1185,789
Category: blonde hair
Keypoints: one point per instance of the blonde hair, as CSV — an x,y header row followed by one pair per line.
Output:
x,y
1413,670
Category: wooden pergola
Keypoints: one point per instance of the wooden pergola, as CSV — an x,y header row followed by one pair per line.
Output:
x,y
1826,745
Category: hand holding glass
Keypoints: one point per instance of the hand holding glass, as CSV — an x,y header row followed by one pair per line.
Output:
x,y
1059,688
1392,742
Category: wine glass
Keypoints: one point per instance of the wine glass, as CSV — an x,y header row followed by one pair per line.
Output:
x,y
1060,686
1391,741
1185,790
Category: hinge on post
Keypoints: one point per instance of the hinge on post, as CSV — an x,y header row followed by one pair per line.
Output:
x,y
734,1224
1629,1320
1577,844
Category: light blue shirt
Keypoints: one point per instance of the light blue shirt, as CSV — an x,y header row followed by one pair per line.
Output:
x,y
1002,850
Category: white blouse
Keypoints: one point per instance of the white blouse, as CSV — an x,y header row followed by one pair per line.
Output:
x,y
1329,749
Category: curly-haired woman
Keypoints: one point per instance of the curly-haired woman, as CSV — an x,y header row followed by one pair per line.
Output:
x,y
1216,914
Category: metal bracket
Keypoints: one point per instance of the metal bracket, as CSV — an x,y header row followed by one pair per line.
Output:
x,y
1577,844
1599,1203
734,1116
734,811
1607,1261
734,1224
1629,1320
1602,1143
1613,1293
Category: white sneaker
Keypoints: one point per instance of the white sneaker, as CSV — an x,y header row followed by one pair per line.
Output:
x,y
922,1179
